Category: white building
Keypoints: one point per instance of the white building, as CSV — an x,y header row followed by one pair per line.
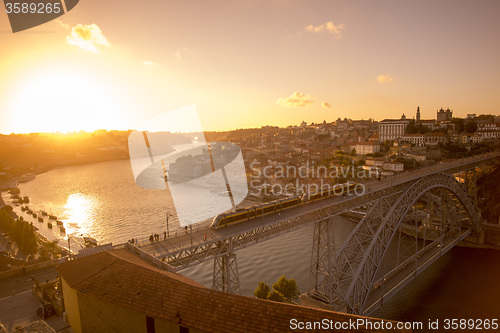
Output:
x,y
488,127
489,135
392,129
414,139
374,161
393,166
369,147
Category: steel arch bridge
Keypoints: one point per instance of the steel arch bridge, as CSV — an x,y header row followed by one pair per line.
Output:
x,y
354,279
417,215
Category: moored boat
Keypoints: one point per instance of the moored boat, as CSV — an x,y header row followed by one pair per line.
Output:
x,y
89,241
26,177
14,190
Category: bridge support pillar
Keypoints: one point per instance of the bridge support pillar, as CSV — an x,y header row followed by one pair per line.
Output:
x,y
226,277
322,258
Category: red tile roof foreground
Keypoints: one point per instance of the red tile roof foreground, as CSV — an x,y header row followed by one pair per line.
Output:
x,y
122,278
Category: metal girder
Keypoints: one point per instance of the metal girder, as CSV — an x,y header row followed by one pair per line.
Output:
x,y
322,256
225,276
360,257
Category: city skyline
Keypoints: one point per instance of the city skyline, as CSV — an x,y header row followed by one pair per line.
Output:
x,y
248,64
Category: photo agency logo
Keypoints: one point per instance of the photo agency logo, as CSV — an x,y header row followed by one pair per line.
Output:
x,y
204,178
26,14
309,179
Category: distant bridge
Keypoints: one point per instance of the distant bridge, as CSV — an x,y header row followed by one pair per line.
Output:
x,y
422,213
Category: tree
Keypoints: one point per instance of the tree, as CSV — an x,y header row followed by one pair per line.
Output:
x,y
411,128
386,145
459,124
262,291
275,296
7,209
471,126
287,287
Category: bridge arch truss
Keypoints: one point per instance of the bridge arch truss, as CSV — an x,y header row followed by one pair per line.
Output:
x,y
419,223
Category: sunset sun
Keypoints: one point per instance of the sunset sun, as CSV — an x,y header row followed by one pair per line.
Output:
x,y
56,100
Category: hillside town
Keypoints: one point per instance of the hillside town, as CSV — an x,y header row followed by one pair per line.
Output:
x,y
360,148
370,148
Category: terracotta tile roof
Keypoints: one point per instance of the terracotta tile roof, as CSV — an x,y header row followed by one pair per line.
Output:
x,y
121,278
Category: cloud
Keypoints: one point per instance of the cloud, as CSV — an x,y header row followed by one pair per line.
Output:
x,y
384,78
296,100
183,53
326,105
62,24
87,38
148,63
329,27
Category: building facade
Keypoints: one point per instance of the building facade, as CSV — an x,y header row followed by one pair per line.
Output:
x,y
370,147
393,166
392,129
443,115
414,139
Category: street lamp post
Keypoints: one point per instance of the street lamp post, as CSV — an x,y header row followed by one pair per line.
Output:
x,y
168,215
191,231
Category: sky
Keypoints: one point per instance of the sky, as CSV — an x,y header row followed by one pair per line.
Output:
x,y
249,63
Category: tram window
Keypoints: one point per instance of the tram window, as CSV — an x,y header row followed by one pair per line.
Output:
x,y
233,218
268,209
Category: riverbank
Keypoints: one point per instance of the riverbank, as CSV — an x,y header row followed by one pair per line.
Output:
x,y
15,179
11,255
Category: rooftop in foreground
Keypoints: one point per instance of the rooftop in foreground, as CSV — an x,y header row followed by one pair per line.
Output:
x,y
125,281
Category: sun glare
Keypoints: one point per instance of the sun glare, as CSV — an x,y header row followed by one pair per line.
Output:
x,y
63,101
78,210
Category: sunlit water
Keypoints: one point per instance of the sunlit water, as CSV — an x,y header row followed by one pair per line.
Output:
x,y
101,200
